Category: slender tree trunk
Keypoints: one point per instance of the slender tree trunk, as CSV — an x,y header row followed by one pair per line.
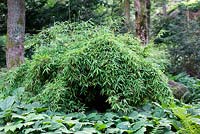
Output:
x,y
148,10
188,17
15,33
164,7
142,19
127,13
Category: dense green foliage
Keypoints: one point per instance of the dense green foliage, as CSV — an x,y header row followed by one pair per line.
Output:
x,y
44,13
179,30
80,65
19,118
95,76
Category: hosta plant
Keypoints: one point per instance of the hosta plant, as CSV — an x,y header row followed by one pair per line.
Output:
x,y
17,117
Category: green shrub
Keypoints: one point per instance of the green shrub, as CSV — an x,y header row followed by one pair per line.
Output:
x,y
158,55
76,66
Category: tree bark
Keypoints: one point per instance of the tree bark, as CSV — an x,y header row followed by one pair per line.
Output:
x,y
164,7
127,13
142,19
15,33
188,17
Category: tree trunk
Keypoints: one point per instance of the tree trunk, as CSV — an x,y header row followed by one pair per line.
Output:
x,y
15,33
164,7
188,17
142,19
127,13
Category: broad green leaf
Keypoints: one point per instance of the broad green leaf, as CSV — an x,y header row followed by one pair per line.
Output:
x,y
1,128
35,117
126,118
7,103
76,115
18,116
134,114
127,131
124,125
63,130
18,92
55,126
170,132
77,127
110,116
12,127
138,125
141,131
31,130
83,132
32,106
110,124
70,124
94,116
113,130
100,126
86,130
28,124
46,123
147,107
158,112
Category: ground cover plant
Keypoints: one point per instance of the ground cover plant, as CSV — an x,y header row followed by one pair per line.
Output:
x,y
78,66
17,117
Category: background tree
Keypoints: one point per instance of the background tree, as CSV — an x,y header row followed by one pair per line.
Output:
x,y
127,13
164,7
142,19
15,33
